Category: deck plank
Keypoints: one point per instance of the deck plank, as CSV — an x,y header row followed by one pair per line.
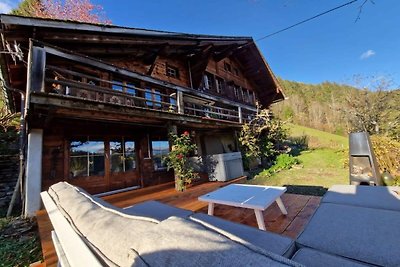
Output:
x,y
300,209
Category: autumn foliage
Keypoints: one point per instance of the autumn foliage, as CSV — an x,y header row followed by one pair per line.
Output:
x,y
75,10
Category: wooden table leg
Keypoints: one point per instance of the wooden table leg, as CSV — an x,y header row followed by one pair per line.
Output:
x,y
210,208
260,219
281,206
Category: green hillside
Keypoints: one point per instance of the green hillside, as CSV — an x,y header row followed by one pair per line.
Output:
x,y
317,138
335,108
321,166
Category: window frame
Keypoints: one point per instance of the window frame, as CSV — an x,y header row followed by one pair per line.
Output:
x,y
171,71
162,168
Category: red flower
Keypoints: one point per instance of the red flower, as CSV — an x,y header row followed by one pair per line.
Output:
x,y
180,156
186,133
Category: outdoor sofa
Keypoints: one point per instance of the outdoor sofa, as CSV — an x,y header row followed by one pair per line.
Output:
x,y
344,231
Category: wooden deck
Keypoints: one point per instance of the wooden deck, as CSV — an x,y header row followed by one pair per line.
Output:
x,y
299,207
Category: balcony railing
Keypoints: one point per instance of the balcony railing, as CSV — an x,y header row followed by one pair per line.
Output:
x,y
124,88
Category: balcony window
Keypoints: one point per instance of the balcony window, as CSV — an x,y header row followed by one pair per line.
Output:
x,y
123,156
236,92
131,89
123,86
117,86
160,150
220,85
86,158
153,98
208,81
245,93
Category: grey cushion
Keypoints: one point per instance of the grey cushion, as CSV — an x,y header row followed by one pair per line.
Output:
x,y
110,233
181,242
364,234
269,241
379,197
314,258
156,210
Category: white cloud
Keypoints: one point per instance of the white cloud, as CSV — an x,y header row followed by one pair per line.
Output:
x,y
367,54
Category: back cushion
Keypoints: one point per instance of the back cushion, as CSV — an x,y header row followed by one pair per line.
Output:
x,y
111,233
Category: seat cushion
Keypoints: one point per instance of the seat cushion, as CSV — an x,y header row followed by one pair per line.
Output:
x,y
314,258
364,234
156,210
182,242
379,197
272,242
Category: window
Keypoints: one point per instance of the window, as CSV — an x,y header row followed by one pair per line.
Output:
x,y
251,97
153,97
131,88
117,86
123,86
160,149
227,67
208,81
236,91
172,71
123,156
86,158
245,93
220,85
242,95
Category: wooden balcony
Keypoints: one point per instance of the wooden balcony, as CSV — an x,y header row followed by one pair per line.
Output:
x,y
100,83
300,209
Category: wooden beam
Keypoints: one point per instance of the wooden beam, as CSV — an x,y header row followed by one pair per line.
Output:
x,y
225,53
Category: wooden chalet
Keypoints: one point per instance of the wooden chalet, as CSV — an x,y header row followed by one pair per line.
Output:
x,y
100,100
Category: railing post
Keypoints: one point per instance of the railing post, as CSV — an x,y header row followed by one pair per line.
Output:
x,y
179,102
240,114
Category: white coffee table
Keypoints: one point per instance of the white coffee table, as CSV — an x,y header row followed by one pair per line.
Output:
x,y
255,197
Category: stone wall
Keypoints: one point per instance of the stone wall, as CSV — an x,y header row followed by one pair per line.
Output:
x,y
8,177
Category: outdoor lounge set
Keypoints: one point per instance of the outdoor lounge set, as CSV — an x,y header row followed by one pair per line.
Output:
x,y
353,226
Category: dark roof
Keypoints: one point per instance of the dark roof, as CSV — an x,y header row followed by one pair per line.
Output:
x,y
103,40
81,26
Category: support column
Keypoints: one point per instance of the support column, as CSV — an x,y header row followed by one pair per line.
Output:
x,y
240,114
179,102
33,180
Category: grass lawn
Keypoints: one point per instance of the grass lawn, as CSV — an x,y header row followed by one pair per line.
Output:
x,y
322,166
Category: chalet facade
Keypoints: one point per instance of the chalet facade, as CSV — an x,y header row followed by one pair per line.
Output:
x,y
99,101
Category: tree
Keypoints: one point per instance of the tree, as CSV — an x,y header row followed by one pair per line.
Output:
x,y
261,137
76,10
367,110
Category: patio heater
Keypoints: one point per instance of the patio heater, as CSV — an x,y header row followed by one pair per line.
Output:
x,y
363,165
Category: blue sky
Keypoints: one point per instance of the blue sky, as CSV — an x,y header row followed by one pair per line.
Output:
x,y
331,48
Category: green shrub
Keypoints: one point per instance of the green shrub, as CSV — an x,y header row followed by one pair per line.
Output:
x,y
282,162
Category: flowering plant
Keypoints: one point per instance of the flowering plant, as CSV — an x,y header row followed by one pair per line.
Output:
x,y
177,159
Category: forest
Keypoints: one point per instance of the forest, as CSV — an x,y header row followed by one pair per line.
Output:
x,y
340,109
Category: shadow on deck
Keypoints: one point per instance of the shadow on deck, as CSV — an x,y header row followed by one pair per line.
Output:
x,y
300,209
